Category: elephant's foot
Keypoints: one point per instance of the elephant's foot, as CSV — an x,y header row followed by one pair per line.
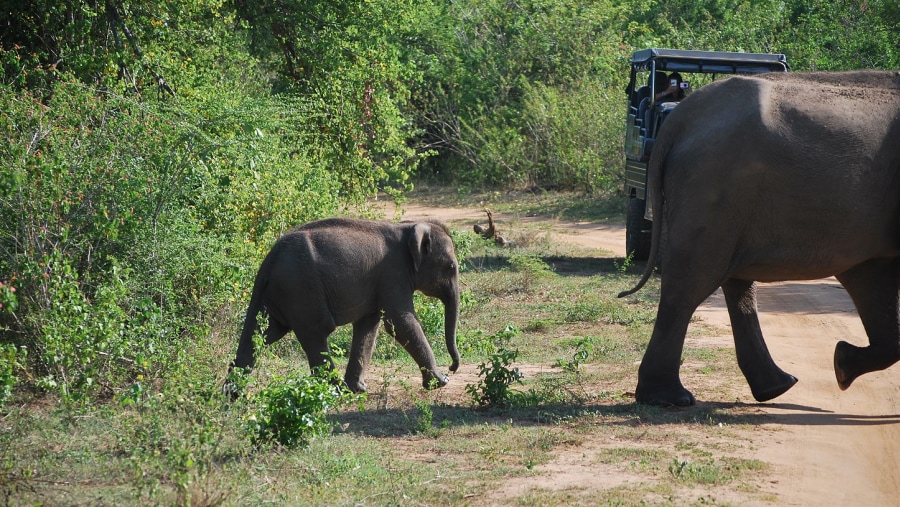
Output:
x,y
434,380
851,361
357,386
846,363
235,381
775,389
230,391
667,395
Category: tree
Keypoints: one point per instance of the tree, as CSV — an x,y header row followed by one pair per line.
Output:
x,y
843,34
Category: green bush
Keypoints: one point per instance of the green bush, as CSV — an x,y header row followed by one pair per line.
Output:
x,y
83,344
494,388
12,360
88,192
526,96
530,268
117,248
291,411
573,135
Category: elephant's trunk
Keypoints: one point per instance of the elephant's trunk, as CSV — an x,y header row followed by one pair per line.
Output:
x,y
451,316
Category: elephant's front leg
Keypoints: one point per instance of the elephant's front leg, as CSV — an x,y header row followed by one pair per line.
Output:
x,y
409,334
873,286
365,331
765,378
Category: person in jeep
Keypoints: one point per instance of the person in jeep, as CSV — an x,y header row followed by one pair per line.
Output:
x,y
678,89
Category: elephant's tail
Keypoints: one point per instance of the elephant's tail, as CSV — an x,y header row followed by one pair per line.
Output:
x,y
256,304
655,199
245,354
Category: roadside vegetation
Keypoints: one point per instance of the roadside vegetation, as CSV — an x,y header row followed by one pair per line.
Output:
x,y
549,359
153,151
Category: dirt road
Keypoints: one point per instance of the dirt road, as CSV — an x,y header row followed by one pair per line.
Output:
x,y
826,447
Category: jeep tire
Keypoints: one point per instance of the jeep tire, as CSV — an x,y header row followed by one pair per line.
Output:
x,y
637,231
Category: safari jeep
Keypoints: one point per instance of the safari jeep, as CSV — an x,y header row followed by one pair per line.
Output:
x,y
648,107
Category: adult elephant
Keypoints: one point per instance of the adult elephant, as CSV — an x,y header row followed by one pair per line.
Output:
x,y
771,178
339,271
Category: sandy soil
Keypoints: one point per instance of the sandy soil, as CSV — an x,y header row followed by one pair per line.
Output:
x,y
826,447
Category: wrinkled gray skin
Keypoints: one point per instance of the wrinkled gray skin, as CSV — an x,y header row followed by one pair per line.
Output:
x,y
340,271
771,178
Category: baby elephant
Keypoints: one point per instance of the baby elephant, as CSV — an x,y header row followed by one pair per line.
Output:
x,y
339,271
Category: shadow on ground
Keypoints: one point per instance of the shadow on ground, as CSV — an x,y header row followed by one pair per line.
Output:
x,y
396,422
560,264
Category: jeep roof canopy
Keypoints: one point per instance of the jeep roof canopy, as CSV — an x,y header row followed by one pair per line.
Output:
x,y
708,62
703,62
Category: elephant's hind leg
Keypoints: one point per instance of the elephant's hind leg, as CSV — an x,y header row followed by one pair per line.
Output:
x,y
765,378
873,286
245,358
315,345
246,352
659,381
312,323
365,331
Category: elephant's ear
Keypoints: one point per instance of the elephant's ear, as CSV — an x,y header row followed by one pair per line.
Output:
x,y
420,243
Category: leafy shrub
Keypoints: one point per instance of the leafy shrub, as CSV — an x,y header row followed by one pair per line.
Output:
x,y
89,191
81,341
584,347
494,389
11,360
424,422
527,98
463,243
86,190
291,411
573,135
11,357
8,300
497,376
530,268
430,312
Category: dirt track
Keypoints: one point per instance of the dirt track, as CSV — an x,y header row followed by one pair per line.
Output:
x,y
826,446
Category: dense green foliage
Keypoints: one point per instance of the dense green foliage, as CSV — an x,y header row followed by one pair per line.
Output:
x,y
153,150
291,412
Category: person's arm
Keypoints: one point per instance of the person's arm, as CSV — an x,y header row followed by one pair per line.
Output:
x,y
670,91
